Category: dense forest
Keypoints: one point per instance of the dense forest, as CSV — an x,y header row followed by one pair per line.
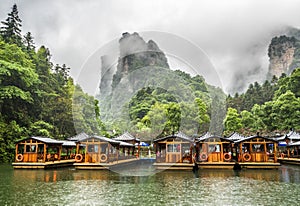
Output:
x,y
39,98
36,95
273,107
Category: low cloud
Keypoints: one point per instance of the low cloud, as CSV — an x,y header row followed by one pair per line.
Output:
x,y
234,34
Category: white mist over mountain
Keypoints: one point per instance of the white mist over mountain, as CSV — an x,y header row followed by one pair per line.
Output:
x,y
234,34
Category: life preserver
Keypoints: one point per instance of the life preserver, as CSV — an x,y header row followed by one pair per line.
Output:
x,y
19,157
203,156
227,156
282,155
103,158
246,157
78,157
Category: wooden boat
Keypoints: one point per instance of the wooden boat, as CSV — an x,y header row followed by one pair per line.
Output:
x,y
213,148
43,152
96,152
175,148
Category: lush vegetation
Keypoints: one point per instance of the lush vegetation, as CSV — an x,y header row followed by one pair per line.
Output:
x,y
35,95
38,98
271,107
160,102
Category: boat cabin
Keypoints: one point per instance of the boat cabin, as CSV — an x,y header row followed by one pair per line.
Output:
x,y
174,148
214,148
43,149
97,149
130,147
257,149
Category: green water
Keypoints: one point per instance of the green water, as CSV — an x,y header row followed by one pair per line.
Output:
x,y
212,187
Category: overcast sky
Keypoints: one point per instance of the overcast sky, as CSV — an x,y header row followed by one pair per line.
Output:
x,y
233,34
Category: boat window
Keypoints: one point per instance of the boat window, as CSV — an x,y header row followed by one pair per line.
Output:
x,y
257,147
173,147
31,148
91,148
96,149
20,149
214,148
186,148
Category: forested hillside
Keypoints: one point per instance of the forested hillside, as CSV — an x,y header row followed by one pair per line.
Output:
x,y
273,107
157,100
35,95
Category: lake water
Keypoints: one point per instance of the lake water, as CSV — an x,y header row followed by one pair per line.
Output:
x,y
210,187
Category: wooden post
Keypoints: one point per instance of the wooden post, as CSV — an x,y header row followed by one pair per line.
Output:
x,y
85,156
108,152
59,152
139,148
77,147
241,152
221,158
45,152
17,145
265,153
275,152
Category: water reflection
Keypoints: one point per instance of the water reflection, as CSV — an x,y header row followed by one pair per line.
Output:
x,y
101,187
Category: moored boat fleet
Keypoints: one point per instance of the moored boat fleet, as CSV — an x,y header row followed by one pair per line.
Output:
x,y
177,151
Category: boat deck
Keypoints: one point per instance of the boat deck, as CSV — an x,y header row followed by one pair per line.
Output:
x,y
291,161
216,165
43,165
105,166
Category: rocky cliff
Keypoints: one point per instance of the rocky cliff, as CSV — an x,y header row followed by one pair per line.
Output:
x,y
281,53
135,53
284,52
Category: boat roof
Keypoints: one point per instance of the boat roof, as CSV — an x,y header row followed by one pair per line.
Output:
x,y
79,137
105,139
179,135
206,138
46,140
126,144
294,144
255,136
68,143
235,136
293,135
126,137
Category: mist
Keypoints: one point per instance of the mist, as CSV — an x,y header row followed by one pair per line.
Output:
x,y
233,34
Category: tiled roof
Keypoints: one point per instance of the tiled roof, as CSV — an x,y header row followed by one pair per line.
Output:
x,y
126,144
293,135
47,140
126,137
235,136
255,136
205,136
179,135
68,143
102,139
79,137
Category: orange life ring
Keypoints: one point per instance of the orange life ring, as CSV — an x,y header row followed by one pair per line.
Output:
x,y
246,157
19,157
227,156
203,156
78,157
103,158
282,155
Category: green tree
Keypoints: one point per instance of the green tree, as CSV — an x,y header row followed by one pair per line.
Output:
x,y
232,122
11,29
286,110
